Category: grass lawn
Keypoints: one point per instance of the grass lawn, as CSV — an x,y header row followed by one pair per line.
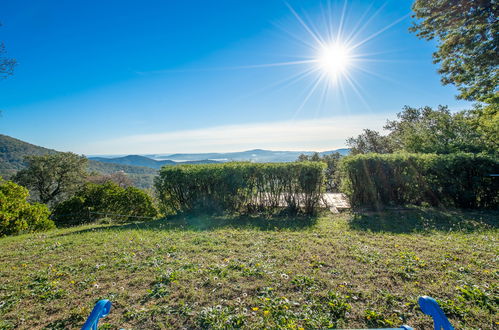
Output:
x,y
346,270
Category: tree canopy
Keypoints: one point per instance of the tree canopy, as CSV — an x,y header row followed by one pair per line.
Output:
x,y
428,130
19,216
53,177
467,33
369,141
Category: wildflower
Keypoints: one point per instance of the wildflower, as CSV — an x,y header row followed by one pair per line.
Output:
x,y
72,282
266,313
284,276
245,294
255,308
96,285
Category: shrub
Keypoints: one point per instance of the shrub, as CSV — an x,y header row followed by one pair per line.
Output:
x,y
93,201
17,215
453,180
241,187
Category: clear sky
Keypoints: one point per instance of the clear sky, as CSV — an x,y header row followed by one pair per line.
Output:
x,y
136,77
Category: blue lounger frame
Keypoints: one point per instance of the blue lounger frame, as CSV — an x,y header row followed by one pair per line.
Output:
x,y
428,305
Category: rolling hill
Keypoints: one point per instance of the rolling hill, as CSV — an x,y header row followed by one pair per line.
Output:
x,y
13,151
255,155
137,160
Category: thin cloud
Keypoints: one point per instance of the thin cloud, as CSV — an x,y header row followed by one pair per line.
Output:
x,y
317,135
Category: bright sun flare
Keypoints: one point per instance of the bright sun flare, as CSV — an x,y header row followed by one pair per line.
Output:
x,y
334,59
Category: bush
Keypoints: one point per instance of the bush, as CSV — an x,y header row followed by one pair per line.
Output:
x,y
241,187
94,201
453,180
17,215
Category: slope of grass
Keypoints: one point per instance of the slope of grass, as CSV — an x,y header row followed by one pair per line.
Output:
x,y
332,271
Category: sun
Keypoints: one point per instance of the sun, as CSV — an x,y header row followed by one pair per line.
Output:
x,y
334,59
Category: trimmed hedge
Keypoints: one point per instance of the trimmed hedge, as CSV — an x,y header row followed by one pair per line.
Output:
x,y
94,201
241,187
454,180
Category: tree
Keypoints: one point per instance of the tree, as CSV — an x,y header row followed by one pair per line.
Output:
x,y
19,216
120,178
370,141
53,177
331,161
6,64
428,130
486,121
467,33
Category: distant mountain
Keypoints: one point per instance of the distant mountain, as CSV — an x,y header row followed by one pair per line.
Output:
x,y
256,155
13,151
137,160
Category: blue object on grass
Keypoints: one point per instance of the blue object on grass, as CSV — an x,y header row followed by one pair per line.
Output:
x,y
101,309
429,306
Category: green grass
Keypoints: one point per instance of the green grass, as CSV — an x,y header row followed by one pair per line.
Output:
x,y
348,270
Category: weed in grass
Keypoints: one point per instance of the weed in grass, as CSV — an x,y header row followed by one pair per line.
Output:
x,y
160,287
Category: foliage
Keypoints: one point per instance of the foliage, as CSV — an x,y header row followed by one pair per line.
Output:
x,y
467,33
453,180
240,187
53,177
19,216
370,141
331,161
93,201
486,121
427,130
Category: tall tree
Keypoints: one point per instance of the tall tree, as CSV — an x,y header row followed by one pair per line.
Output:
x,y
467,33
6,64
53,177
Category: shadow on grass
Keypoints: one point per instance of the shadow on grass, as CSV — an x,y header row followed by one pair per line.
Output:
x,y
425,219
213,222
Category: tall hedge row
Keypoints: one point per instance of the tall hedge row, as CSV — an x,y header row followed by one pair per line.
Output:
x,y
454,180
241,187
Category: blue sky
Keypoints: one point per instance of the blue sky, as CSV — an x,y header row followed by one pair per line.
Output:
x,y
123,77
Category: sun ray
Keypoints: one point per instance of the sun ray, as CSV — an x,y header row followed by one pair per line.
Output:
x,y
342,20
309,94
374,35
305,26
361,25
